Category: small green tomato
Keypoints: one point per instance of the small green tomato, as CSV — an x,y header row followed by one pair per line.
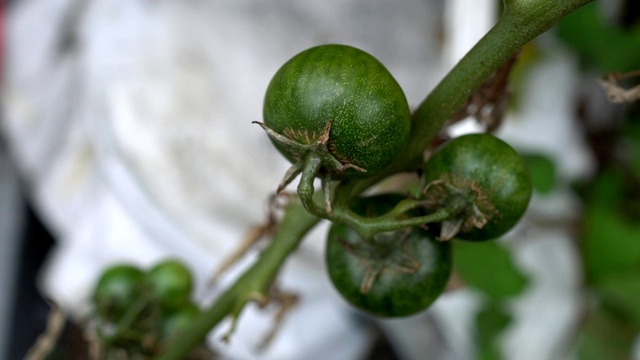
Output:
x,y
488,175
400,274
178,320
171,282
337,112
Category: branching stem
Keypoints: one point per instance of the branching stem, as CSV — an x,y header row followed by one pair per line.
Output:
x,y
395,219
522,21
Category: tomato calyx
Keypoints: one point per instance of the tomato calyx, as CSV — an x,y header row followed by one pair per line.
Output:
x,y
313,158
386,252
390,273
475,212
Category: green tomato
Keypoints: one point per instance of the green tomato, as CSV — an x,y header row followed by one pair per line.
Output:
x,y
370,117
178,320
486,171
401,274
117,290
171,282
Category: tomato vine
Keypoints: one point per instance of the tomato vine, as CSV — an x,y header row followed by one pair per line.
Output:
x,y
522,21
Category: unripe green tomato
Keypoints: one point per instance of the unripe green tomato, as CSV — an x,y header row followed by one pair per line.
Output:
x,y
117,290
414,267
170,282
491,171
368,109
178,320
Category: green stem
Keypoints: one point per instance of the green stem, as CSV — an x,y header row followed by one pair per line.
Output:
x,y
367,227
254,282
310,168
522,21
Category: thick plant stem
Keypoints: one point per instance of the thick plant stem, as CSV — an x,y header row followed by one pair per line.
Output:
x,y
521,22
252,285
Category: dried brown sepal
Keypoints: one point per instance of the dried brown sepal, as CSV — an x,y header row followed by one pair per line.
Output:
x,y
615,92
285,301
255,234
488,103
439,194
377,262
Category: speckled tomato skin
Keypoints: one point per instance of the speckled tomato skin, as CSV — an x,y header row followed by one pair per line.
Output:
x,y
495,168
393,294
369,111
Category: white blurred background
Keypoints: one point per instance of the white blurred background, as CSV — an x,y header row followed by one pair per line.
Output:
x,y
130,123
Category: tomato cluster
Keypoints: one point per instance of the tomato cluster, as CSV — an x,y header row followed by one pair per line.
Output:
x,y
484,186
335,112
138,312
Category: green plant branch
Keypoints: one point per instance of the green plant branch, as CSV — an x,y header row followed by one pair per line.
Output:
x,y
522,21
368,227
396,218
252,285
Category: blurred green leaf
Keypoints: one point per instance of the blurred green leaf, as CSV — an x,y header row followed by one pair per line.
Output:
x,y
491,321
607,46
543,172
622,292
611,243
606,190
602,337
488,267
633,136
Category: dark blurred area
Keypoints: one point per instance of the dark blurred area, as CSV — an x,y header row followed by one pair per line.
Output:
x,y
28,317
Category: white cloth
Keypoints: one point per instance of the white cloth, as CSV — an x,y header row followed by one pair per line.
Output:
x,y
131,120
